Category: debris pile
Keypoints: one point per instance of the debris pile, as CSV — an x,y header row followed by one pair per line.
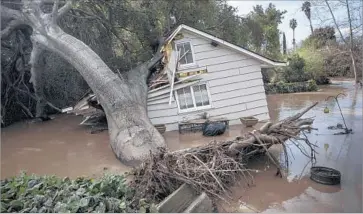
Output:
x,y
92,111
214,167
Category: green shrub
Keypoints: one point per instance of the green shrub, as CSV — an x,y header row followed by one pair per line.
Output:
x,y
314,64
295,71
283,87
33,193
312,86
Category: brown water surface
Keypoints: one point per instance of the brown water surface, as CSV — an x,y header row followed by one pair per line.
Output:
x,y
64,148
59,147
296,192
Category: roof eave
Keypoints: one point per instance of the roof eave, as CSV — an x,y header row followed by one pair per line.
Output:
x,y
274,64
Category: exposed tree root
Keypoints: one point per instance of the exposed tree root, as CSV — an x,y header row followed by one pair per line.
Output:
x,y
214,167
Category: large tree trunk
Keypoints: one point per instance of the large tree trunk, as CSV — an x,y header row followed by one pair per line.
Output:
x,y
132,135
37,62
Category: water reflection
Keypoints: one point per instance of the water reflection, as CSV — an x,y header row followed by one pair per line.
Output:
x,y
297,193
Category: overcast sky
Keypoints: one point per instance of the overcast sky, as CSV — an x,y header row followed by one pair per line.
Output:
x,y
293,8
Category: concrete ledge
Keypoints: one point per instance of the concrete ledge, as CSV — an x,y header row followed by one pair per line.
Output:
x,y
202,204
178,201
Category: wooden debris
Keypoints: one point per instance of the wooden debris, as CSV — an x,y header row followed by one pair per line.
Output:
x,y
214,167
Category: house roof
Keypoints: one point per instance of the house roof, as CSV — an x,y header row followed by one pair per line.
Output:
x,y
268,61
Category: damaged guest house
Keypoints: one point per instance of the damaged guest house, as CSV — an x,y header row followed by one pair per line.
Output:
x,y
202,77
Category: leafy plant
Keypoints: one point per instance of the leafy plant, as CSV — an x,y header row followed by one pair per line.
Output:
x,y
31,193
283,87
295,71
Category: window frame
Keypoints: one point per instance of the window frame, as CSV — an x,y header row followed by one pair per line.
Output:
x,y
195,108
192,50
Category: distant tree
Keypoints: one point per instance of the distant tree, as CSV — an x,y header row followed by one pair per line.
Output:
x,y
350,44
322,36
306,8
293,25
264,32
284,43
348,27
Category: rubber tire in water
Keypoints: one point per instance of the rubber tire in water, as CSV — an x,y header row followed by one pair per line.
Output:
x,y
325,175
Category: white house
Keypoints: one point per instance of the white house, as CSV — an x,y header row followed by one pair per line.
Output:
x,y
214,76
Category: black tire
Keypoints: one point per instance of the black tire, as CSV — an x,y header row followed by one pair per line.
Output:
x,y
325,175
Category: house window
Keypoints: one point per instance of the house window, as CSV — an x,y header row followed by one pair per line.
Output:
x,y
193,98
186,53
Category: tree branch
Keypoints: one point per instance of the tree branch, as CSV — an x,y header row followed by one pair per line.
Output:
x,y
13,25
34,58
16,18
106,24
37,68
55,11
67,7
32,96
335,22
158,56
8,13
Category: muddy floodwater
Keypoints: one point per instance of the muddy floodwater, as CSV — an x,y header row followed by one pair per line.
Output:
x,y
64,148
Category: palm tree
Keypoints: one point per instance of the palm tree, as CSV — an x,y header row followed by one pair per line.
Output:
x,y
306,7
284,43
293,25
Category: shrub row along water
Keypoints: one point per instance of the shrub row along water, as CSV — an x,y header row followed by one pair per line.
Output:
x,y
282,87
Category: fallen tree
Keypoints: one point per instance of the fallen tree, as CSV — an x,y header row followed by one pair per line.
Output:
x,y
123,99
214,167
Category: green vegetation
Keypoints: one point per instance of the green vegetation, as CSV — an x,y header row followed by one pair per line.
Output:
x,y
325,57
263,33
295,71
296,77
326,53
283,87
31,193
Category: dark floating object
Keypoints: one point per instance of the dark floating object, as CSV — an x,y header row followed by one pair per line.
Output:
x,y
213,128
346,129
325,175
340,126
214,43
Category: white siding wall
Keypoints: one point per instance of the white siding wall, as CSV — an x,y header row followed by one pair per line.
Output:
x,y
235,84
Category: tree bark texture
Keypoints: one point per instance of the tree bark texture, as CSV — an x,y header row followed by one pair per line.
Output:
x,y
132,135
37,62
311,26
293,39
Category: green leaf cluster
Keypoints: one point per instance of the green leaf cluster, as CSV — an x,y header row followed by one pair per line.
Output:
x,y
40,194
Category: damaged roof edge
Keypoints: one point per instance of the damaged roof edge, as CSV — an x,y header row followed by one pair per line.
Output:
x,y
255,55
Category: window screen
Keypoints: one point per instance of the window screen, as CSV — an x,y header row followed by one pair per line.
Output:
x,y
186,55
